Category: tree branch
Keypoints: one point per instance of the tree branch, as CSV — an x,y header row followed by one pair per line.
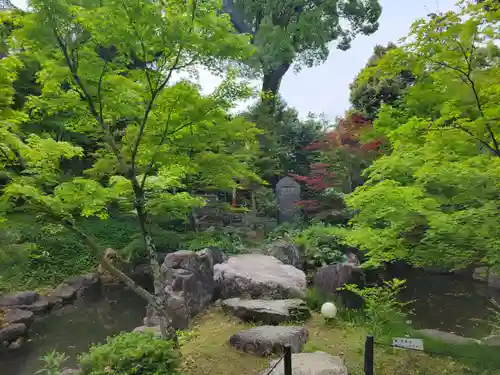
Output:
x,y
162,140
483,142
99,85
98,253
474,89
88,98
148,110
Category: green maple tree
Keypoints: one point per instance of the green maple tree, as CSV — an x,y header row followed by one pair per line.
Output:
x,y
109,66
434,198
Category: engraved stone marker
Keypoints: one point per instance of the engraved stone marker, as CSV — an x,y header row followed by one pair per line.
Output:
x,y
287,194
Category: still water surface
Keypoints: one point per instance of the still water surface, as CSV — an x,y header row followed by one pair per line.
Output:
x,y
74,328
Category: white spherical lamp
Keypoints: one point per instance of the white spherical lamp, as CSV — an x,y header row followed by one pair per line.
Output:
x,y
329,310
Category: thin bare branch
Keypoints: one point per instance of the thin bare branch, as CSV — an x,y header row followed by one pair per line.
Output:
x,y
148,111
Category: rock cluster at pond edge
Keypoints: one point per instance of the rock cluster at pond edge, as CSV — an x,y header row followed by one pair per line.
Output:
x,y
20,309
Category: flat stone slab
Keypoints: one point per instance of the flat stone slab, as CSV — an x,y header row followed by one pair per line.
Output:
x,y
255,276
447,337
273,312
317,363
493,340
13,316
42,305
21,298
265,340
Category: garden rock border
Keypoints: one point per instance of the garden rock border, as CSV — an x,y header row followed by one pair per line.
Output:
x,y
20,309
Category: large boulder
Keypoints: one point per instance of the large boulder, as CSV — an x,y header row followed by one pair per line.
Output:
x,y
317,363
190,285
265,340
287,252
273,312
21,298
259,276
12,332
12,316
329,279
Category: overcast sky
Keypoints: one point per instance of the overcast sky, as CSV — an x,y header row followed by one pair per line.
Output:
x,y
325,88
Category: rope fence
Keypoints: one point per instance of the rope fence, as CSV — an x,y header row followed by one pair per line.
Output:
x,y
286,358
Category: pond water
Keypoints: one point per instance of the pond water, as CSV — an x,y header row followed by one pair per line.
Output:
x,y
441,302
449,304
74,328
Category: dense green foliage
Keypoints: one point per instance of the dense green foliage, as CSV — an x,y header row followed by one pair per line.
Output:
x,y
322,245
434,198
37,255
283,140
367,94
130,353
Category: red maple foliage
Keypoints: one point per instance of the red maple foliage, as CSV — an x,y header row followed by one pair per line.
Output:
x,y
346,135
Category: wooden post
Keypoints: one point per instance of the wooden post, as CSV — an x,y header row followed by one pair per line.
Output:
x,y
369,355
287,359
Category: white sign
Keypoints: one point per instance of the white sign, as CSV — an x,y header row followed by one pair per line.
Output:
x,y
407,343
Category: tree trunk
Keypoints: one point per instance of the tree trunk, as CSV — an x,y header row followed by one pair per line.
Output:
x,y
272,79
106,264
160,306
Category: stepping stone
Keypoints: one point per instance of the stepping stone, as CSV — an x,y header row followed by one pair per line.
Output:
x,y
446,337
317,363
273,312
264,340
493,340
255,276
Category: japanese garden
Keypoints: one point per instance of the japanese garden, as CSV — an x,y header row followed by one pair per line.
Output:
x,y
151,227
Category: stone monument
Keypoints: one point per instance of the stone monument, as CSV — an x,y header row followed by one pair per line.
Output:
x,y
287,195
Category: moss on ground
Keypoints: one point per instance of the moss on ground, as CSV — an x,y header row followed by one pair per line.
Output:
x,y
207,350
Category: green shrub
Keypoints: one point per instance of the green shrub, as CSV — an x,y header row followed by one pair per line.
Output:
x,y
286,231
322,245
494,319
130,353
166,241
229,242
383,311
315,299
52,363
39,255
